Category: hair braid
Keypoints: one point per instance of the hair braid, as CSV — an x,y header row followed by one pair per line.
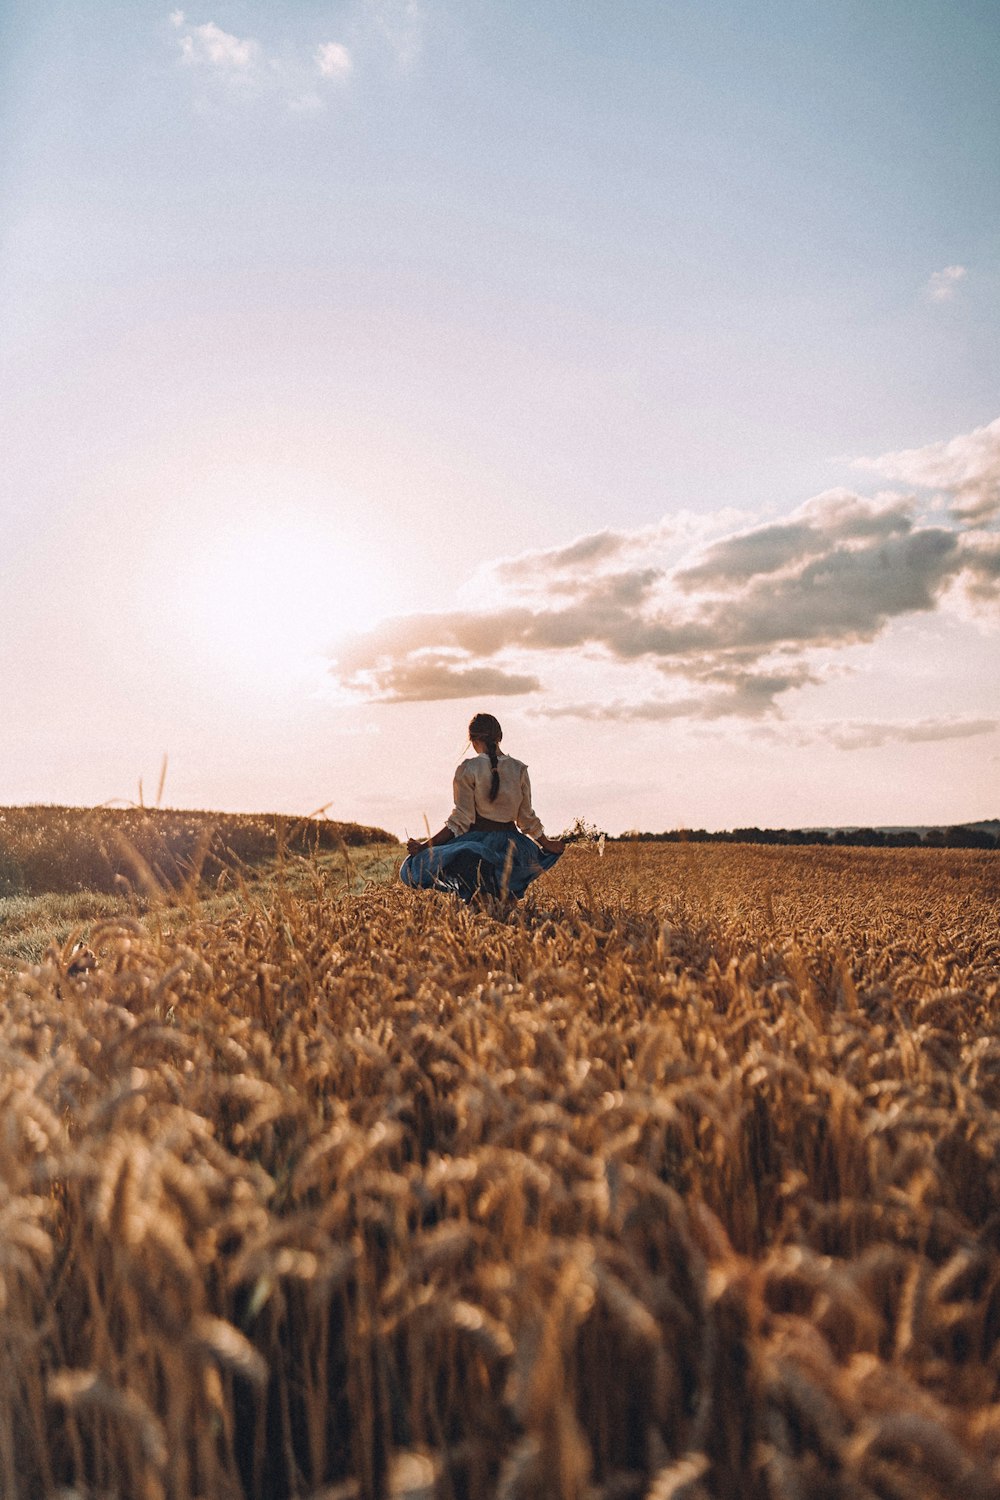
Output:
x,y
486,728
491,751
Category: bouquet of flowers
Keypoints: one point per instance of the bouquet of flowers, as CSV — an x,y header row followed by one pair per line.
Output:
x,y
588,835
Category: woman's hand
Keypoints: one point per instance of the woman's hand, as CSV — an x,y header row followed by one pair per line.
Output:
x,y
552,846
443,836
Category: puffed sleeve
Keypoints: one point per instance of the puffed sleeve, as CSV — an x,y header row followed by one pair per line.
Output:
x,y
464,790
526,818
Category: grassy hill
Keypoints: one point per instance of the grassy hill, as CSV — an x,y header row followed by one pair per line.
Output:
x,y
66,870
116,849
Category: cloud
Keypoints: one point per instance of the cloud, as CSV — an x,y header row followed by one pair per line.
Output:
x,y
780,547
743,695
531,571
982,575
333,60
434,676
401,25
966,467
524,572
242,61
839,597
209,44
728,629
943,285
871,736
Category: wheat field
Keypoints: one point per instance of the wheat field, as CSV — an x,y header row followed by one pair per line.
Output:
x,y
679,1182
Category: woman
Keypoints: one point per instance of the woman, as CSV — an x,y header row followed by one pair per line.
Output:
x,y
494,841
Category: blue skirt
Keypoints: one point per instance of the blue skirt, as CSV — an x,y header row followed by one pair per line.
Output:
x,y
496,863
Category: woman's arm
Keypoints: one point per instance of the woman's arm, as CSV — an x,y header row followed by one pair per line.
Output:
x,y
462,816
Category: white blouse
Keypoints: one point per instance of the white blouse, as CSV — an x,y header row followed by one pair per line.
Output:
x,y
512,802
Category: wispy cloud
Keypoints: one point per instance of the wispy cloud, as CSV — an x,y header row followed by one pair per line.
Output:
x,y
943,285
300,79
401,26
966,467
871,736
721,693
730,628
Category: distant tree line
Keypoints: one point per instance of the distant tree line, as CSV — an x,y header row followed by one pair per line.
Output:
x,y
960,836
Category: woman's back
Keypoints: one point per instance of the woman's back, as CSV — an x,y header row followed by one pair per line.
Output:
x,y
512,803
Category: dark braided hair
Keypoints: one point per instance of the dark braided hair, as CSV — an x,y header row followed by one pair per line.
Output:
x,y
484,727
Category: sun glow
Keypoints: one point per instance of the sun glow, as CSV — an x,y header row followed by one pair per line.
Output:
x,y
261,601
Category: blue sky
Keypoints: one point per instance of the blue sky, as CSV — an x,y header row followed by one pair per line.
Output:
x,y
314,313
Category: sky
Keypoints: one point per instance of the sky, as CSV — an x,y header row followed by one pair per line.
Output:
x,y
628,370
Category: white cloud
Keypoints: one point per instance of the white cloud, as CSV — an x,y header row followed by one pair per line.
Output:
x,y
966,467
333,60
241,62
943,285
209,44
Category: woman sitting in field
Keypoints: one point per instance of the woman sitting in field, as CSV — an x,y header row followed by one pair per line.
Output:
x,y
494,842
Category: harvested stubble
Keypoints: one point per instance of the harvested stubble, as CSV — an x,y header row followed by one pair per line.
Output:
x,y
681,1181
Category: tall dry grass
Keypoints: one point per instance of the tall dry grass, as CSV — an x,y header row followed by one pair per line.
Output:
x,y
681,1181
